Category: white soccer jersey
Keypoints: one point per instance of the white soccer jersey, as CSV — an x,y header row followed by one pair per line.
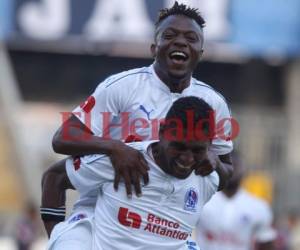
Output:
x,y
137,99
234,224
162,218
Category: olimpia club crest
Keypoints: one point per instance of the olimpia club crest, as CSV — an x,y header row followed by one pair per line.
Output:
x,y
190,200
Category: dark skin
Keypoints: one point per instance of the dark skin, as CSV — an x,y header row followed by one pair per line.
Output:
x,y
231,190
55,180
175,33
180,33
54,184
167,155
74,138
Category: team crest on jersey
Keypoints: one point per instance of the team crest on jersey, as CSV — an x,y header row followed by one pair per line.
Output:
x,y
77,217
190,200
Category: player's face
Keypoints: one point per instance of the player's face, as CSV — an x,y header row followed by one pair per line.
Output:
x,y
178,46
182,156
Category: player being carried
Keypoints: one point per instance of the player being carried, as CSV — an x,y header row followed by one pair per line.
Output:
x,y
133,97
165,215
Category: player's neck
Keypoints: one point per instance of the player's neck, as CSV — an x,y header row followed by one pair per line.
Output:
x,y
176,85
229,193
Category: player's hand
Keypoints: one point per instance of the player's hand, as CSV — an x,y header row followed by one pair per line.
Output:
x,y
49,225
130,165
208,165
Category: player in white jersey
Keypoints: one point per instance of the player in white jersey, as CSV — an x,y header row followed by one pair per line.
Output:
x,y
144,93
165,215
235,220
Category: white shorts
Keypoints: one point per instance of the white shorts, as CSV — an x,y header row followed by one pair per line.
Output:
x,y
76,233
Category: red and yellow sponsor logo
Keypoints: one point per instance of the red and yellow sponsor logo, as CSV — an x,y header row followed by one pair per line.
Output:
x,y
155,224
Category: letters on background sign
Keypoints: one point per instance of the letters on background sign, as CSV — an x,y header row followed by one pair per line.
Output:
x,y
51,19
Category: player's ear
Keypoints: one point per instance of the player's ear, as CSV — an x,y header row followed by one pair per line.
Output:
x,y
153,50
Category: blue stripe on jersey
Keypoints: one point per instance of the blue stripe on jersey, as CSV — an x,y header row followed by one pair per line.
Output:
x,y
218,93
91,158
207,86
141,72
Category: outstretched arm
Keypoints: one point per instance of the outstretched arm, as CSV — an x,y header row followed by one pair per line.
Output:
x,y
54,184
74,138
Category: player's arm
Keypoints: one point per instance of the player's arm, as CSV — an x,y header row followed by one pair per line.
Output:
x,y
224,169
265,245
54,184
227,127
82,133
221,146
75,138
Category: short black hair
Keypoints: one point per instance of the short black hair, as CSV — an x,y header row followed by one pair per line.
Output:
x,y
186,107
181,9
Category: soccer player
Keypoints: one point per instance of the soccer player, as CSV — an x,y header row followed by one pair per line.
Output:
x,y
132,102
235,220
165,215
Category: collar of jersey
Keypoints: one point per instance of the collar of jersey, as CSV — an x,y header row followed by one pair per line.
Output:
x,y
161,84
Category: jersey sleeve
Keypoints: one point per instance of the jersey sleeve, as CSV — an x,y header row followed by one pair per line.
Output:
x,y
264,231
225,129
101,107
210,186
89,173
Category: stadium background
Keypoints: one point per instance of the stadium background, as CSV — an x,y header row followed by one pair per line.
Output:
x,y
53,53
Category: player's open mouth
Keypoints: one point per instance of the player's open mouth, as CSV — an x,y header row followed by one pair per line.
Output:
x,y
184,167
178,57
